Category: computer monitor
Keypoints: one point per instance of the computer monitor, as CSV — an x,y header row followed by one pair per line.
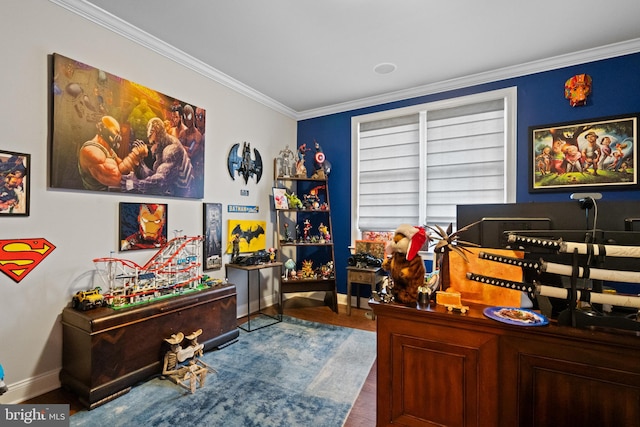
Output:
x,y
493,229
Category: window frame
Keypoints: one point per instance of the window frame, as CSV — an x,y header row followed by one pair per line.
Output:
x,y
509,95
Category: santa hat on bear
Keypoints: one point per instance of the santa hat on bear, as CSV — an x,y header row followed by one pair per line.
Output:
x,y
416,235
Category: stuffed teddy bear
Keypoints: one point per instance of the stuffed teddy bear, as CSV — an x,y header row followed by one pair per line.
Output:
x,y
405,266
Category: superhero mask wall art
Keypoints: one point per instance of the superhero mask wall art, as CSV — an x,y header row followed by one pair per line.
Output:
x,y
577,89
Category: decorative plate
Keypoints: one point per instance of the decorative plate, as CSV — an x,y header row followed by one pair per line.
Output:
x,y
516,316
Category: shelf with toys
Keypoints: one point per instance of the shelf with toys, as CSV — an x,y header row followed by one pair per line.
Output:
x,y
303,224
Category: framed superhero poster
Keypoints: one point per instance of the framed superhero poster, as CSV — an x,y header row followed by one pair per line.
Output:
x,y
113,135
212,232
142,226
588,155
14,182
246,236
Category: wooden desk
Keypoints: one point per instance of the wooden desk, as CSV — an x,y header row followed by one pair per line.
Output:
x,y
249,268
362,276
106,351
441,368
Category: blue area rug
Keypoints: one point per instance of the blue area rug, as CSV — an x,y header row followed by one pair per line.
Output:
x,y
294,373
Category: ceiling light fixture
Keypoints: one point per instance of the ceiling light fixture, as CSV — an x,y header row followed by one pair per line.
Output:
x,y
385,68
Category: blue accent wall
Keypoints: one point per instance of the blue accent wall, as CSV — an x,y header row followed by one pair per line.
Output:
x,y
616,91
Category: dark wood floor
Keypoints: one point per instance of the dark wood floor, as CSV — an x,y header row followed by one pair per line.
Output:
x,y
363,413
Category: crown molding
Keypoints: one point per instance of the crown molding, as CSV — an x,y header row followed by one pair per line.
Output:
x,y
113,23
576,58
123,28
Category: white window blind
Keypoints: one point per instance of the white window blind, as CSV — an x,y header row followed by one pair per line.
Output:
x,y
464,160
416,164
389,168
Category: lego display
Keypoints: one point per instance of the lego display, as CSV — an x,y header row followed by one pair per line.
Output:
x,y
244,164
175,269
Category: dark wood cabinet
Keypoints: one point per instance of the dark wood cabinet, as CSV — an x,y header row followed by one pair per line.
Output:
x,y
448,369
106,351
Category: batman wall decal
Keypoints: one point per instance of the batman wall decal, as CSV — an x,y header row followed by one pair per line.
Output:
x,y
243,164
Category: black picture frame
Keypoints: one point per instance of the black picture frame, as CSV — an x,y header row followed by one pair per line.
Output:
x,y
560,157
15,193
142,226
97,117
212,233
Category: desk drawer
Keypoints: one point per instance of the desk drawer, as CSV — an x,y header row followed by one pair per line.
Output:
x,y
362,277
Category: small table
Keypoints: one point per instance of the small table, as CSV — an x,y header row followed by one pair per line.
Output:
x,y
256,268
362,276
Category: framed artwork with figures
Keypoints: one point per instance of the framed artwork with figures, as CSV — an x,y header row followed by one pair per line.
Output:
x,y
15,183
587,155
113,135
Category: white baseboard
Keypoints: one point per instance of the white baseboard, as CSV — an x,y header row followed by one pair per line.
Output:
x,y
31,387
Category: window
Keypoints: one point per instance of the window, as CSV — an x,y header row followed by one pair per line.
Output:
x,y
415,164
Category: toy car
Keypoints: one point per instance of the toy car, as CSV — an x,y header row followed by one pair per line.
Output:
x,y
86,300
457,307
259,257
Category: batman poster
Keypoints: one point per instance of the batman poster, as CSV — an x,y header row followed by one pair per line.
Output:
x,y
248,234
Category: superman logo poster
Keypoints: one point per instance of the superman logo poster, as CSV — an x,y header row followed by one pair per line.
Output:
x,y
18,257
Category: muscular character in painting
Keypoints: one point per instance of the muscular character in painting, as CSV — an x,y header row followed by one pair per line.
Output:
x,y
172,172
99,165
151,221
191,137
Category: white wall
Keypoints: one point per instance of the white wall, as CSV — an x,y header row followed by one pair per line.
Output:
x,y
84,225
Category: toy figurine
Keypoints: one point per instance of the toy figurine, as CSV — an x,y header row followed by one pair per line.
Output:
x,y
287,234
235,251
307,269
326,270
3,386
287,162
301,169
289,267
293,201
321,164
307,228
272,254
324,232
312,200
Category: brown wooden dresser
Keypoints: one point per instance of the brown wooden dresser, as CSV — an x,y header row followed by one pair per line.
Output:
x,y
106,351
449,369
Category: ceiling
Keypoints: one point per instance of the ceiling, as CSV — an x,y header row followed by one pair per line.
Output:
x,y
307,57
